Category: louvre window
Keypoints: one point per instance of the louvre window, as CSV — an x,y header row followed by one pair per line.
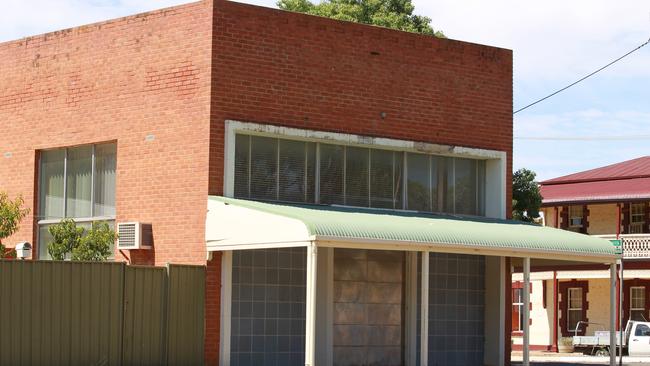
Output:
x,y
276,169
76,183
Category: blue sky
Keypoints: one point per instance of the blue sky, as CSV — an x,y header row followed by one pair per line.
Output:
x,y
554,43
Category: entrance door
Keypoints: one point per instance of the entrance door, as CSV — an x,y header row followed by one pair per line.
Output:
x,y
368,309
640,340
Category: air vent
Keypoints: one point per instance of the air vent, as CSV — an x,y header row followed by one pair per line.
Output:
x,y
134,235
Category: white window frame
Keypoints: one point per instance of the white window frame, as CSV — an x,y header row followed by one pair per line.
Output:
x,y
91,218
572,216
632,308
570,295
519,304
637,219
495,166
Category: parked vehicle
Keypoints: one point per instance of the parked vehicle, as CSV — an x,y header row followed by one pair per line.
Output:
x,y
636,339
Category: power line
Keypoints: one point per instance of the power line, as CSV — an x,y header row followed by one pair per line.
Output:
x,y
578,81
584,138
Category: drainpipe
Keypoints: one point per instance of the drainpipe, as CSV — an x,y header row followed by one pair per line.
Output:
x,y
557,217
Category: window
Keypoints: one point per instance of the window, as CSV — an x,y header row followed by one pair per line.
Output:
x,y
642,330
574,308
637,218
637,303
575,217
76,183
517,309
269,168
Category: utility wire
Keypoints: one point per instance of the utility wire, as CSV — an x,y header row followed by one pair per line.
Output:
x,y
578,81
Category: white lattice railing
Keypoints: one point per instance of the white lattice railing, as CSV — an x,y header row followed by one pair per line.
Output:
x,y
634,245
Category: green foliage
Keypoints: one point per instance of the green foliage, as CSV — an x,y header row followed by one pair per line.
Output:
x,y
526,198
96,244
68,239
65,237
11,213
396,14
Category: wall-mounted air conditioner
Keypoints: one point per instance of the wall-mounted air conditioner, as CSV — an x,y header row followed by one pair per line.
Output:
x,y
134,235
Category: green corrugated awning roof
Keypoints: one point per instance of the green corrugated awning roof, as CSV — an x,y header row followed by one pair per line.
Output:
x,y
362,225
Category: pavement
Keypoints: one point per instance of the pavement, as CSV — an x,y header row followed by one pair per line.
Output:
x,y
561,359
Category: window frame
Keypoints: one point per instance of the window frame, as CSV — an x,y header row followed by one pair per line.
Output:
x,y
519,305
573,215
571,290
86,219
637,219
492,193
632,298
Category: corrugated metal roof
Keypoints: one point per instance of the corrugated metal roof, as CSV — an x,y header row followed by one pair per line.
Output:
x,y
598,191
635,168
410,227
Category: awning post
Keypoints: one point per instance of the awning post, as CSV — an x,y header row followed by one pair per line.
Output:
x,y
526,325
310,304
612,314
424,311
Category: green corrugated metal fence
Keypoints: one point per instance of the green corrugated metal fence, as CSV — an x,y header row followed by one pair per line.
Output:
x,y
77,313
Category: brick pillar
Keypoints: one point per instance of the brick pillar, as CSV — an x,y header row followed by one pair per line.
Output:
x,y
625,213
585,219
564,218
213,310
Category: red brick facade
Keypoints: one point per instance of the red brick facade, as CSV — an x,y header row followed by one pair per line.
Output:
x,y
161,84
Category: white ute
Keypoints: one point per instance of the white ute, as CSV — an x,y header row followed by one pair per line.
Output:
x,y
636,339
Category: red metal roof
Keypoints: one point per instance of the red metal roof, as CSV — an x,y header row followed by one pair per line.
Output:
x,y
635,168
603,190
628,180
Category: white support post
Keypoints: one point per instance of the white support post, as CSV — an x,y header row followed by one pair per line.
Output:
x,y
612,314
310,304
424,311
226,307
526,325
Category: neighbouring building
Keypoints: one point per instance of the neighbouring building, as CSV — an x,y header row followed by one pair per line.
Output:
x,y
347,186
609,202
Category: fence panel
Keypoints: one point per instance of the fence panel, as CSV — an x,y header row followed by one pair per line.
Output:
x,y
186,315
144,315
60,313
79,313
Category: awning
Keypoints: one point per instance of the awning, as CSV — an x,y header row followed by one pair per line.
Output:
x,y
234,224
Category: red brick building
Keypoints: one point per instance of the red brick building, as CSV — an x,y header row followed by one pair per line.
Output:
x,y
131,120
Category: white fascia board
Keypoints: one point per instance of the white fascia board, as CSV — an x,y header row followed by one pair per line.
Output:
x,y
231,227
341,242
534,276
602,274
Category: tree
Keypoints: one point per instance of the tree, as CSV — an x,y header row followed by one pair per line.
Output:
x,y
526,198
11,213
96,244
65,237
396,14
68,239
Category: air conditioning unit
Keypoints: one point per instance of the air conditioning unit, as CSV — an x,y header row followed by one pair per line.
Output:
x,y
134,235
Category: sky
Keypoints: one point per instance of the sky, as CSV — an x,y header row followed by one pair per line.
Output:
x,y
603,120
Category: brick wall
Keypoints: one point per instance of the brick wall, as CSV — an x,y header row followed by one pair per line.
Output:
x,y
177,74
120,80
290,69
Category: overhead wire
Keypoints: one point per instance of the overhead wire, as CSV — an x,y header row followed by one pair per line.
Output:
x,y
583,78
